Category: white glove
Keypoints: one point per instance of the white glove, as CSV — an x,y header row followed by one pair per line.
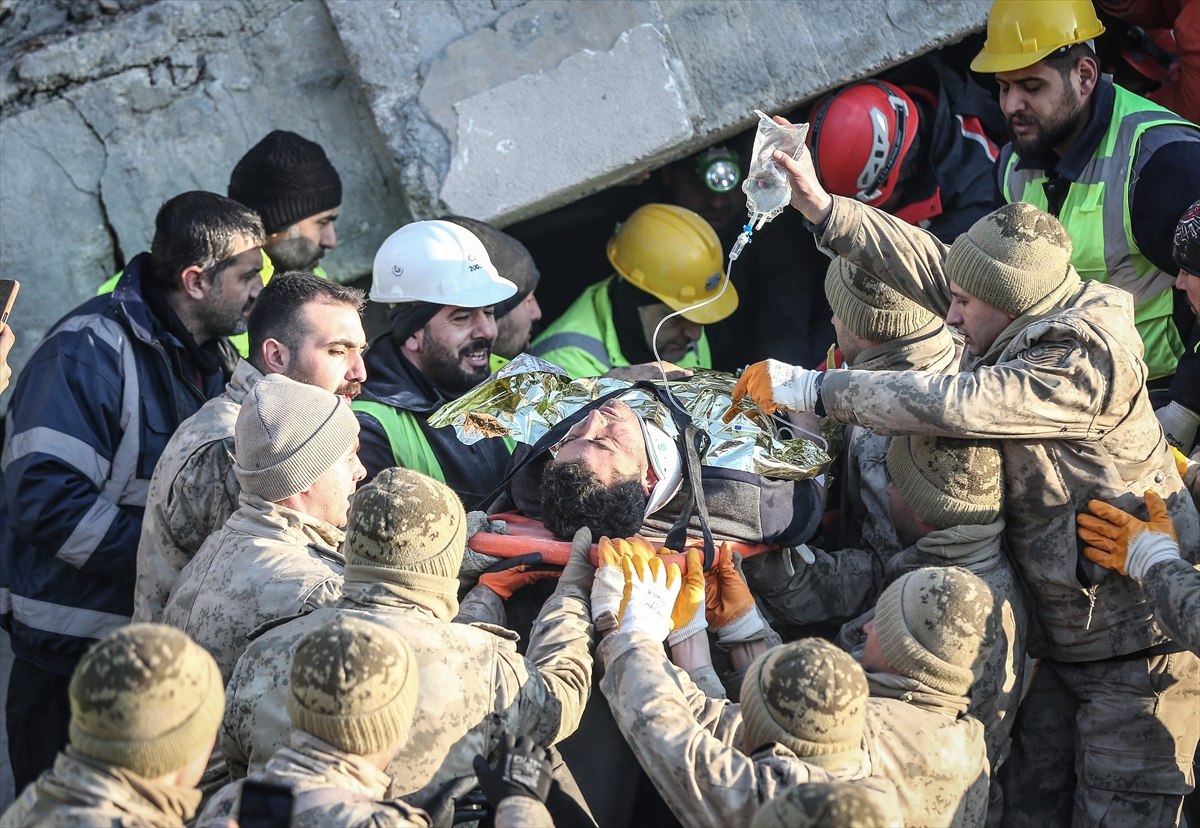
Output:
x,y
653,587
608,586
793,387
697,624
1146,550
1179,424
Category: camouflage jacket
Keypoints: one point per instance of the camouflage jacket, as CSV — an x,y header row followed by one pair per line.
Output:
x,y
474,685
866,522
192,493
267,562
1063,389
79,792
997,692
689,744
352,790
923,743
1174,589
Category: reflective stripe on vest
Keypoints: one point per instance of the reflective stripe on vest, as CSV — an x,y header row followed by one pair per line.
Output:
x,y
1103,246
410,447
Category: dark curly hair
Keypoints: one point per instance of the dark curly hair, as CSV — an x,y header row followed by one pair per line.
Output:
x,y
573,496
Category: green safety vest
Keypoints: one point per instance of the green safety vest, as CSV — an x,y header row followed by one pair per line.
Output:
x,y
1103,247
410,447
583,341
240,341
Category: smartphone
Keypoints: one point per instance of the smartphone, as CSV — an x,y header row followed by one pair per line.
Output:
x,y
264,805
8,295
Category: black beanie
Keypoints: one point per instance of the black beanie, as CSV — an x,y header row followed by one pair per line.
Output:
x,y
409,317
285,178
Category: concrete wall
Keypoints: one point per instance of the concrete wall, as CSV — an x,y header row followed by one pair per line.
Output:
x,y
499,110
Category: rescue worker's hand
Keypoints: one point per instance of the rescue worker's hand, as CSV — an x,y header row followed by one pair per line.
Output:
x,y
473,562
522,769
652,371
1109,531
731,610
652,587
608,588
687,617
580,570
507,576
808,196
773,385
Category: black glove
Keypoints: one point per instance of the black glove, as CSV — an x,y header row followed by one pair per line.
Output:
x,y
522,769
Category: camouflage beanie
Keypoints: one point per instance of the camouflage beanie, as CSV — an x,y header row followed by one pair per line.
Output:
x,y
830,805
1012,258
146,698
407,521
810,697
868,307
287,435
935,625
354,685
947,482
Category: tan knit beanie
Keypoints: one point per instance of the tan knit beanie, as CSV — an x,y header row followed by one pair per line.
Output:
x,y
947,482
830,805
868,307
354,685
147,698
810,697
287,434
1012,258
407,521
936,625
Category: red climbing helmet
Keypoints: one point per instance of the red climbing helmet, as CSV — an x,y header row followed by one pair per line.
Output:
x,y
859,137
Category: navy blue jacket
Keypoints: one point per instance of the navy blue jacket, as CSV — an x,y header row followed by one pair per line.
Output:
x,y
89,417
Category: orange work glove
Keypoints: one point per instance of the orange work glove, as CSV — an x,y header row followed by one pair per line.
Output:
x,y
687,617
774,385
507,576
608,587
727,601
1108,531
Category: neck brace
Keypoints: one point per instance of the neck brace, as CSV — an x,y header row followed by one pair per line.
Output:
x,y
667,464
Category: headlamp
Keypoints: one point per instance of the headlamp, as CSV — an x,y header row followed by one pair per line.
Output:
x,y
719,168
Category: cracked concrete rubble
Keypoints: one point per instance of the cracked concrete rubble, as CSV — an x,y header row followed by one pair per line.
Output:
x,y
498,109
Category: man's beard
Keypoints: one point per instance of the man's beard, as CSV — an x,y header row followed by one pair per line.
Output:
x,y
296,253
444,367
1050,132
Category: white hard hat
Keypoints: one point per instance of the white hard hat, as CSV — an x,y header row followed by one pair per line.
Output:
x,y
437,262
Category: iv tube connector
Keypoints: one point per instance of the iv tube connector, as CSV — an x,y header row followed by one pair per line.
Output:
x,y
742,240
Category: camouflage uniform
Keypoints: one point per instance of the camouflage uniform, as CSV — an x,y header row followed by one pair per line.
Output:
x,y
268,561
866,521
473,684
192,493
1174,589
352,790
1063,388
690,745
923,742
79,792
522,812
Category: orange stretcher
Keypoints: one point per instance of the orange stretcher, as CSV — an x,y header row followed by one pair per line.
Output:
x,y
527,535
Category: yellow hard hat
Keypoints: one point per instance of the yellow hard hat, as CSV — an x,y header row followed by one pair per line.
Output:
x,y
1022,32
674,255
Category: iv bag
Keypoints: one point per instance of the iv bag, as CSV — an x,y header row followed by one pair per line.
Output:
x,y
766,187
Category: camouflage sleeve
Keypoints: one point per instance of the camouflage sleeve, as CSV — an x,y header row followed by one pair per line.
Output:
x,y
481,606
203,496
219,809
551,697
1174,590
1054,390
837,586
231,740
895,252
325,594
704,781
